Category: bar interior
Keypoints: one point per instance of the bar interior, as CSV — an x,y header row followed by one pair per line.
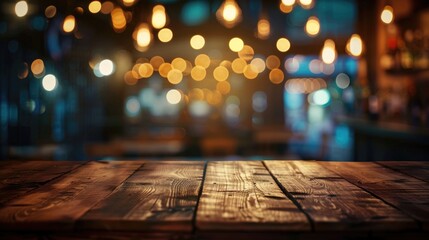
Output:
x,y
215,88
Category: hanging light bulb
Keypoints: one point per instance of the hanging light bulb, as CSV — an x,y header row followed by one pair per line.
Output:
x,y
159,17
387,14
142,36
354,46
264,28
229,13
328,54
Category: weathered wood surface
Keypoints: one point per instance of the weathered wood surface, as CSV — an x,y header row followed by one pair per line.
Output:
x,y
243,195
160,196
332,202
58,205
17,178
217,200
418,170
406,193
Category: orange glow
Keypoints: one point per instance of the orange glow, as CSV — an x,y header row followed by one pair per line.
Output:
x,y
202,60
69,24
276,76
198,73
220,73
38,68
246,53
164,69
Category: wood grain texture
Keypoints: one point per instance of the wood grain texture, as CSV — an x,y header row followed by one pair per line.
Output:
x,y
242,196
418,170
161,196
19,177
332,202
57,205
406,193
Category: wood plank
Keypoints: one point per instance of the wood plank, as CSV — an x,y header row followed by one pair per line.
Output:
x,y
17,178
57,205
406,193
418,170
242,196
332,202
161,196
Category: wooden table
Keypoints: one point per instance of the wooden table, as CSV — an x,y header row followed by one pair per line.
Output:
x,y
214,200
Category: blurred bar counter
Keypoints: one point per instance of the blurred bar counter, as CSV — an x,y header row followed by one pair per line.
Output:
x,y
382,140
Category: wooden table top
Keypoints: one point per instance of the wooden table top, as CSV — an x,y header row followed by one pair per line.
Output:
x,y
214,200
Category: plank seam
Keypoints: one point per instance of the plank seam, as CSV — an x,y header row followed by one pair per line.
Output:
x,y
419,224
400,171
200,193
288,195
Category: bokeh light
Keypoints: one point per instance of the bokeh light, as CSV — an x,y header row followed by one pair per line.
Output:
x,y
246,53
21,8
329,54
49,82
387,14
38,68
283,44
175,76
106,67
220,73
156,62
236,44
312,27
94,6
276,76
272,62
198,73
238,65
69,24
257,65
342,80
159,17
202,60
179,64
173,96
197,42
50,11
165,35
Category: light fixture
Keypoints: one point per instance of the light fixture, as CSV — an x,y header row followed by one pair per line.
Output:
x,y
329,54
229,13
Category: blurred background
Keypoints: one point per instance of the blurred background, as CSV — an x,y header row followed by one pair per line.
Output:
x,y
232,79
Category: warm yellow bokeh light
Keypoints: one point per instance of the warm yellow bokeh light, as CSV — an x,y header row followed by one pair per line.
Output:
x,y
272,62
145,70
128,3
69,24
312,27
276,76
223,87
257,65
173,96
246,53
50,11
21,8
329,54
119,21
94,7
142,35
37,67
249,73
229,13
175,76
288,2
238,65
156,62
283,44
130,78
165,35
198,73
220,73
179,64
197,42
285,9
236,44
107,7
164,69
306,3
264,29
202,60
159,17
387,14
354,46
